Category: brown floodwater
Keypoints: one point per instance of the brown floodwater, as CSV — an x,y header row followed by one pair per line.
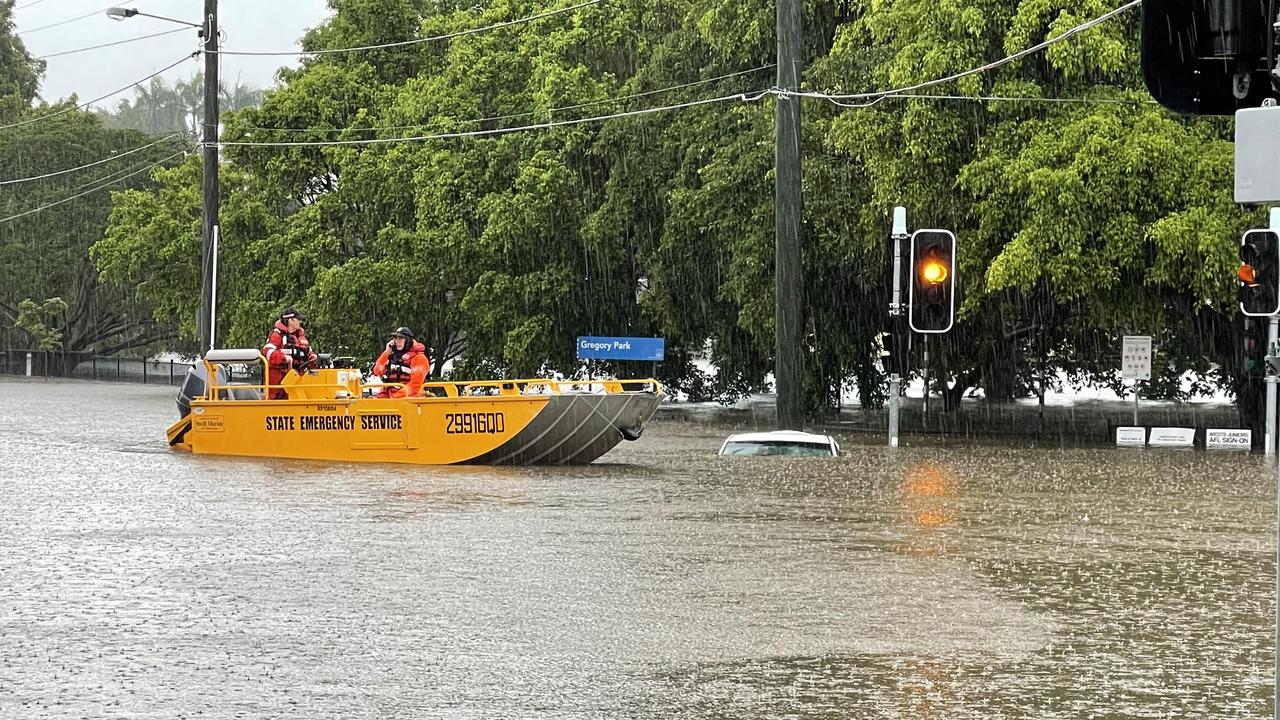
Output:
x,y
663,581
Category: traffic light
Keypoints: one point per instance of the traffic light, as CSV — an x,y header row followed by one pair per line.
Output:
x,y
1206,57
1259,273
931,293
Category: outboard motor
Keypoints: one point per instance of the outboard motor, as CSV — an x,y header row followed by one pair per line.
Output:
x,y
194,385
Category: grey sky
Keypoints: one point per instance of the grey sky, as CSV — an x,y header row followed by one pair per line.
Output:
x,y
246,25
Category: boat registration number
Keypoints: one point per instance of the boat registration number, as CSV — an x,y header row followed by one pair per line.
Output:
x,y
474,423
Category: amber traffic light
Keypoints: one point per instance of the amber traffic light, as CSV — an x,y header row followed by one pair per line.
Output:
x,y
931,293
1259,273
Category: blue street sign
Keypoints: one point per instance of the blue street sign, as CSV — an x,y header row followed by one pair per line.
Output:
x,y
622,348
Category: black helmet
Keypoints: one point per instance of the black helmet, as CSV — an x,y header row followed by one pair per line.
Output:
x,y
403,332
291,313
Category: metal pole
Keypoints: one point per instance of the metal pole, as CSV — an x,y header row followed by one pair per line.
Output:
x,y
924,369
788,205
1135,402
1269,440
1271,406
895,322
213,295
210,158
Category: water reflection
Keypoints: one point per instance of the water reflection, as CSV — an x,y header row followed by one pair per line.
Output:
x,y
927,490
925,582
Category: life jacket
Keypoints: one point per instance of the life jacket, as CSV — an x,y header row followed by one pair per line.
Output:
x,y
400,362
283,341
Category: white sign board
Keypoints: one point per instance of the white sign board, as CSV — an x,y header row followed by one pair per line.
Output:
x,y
1227,439
1258,155
1135,357
1172,437
1131,436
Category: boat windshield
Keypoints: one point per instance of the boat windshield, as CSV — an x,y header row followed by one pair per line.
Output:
x,y
776,447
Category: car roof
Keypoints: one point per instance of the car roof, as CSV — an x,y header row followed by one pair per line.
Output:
x,y
794,436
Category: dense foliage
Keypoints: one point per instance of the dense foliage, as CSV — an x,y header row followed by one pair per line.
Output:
x,y
1078,221
51,295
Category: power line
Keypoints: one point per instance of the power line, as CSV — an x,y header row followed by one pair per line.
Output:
x,y
105,184
983,98
833,97
113,158
27,5
549,111
83,105
63,22
110,44
405,43
744,97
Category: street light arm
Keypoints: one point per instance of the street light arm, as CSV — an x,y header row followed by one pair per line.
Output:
x,y
119,13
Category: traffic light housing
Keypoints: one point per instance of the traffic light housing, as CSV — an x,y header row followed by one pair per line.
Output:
x,y
1206,57
1254,347
931,293
1259,273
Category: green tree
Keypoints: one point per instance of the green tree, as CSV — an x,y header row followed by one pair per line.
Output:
x,y
48,225
20,73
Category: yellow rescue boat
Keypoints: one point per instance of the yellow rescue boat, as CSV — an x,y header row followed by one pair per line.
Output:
x,y
327,417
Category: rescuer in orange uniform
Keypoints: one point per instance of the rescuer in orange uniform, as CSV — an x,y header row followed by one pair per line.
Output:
x,y
404,361
287,349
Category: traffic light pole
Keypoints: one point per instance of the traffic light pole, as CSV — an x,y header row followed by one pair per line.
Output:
x,y
924,370
1271,415
1269,441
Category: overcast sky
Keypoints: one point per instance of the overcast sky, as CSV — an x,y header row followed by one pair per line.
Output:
x,y
246,25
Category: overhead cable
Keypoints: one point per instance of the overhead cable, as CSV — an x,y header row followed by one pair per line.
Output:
x,y
405,43
496,118
1005,98
63,22
100,184
110,44
833,97
86,104
27,5
744,97
113,158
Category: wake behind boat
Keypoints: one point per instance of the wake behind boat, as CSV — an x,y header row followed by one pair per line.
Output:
x,y
327,417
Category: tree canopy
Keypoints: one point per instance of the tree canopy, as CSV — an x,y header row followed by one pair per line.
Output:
x,y
57,168
403,190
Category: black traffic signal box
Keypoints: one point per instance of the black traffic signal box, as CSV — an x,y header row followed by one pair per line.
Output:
x,y
1206,57
1259,273
931,294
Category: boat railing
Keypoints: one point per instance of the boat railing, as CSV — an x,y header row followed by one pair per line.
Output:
x,y
537,386
348,383
342,387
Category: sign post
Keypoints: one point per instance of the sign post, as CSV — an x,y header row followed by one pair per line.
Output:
x,y
898,234
1135,364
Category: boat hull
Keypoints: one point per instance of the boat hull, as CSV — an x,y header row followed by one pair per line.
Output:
x,y
561,428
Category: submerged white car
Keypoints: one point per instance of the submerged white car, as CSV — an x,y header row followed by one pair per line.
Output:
x,y
780,442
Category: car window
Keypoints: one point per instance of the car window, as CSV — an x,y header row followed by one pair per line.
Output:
x,y
740,447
